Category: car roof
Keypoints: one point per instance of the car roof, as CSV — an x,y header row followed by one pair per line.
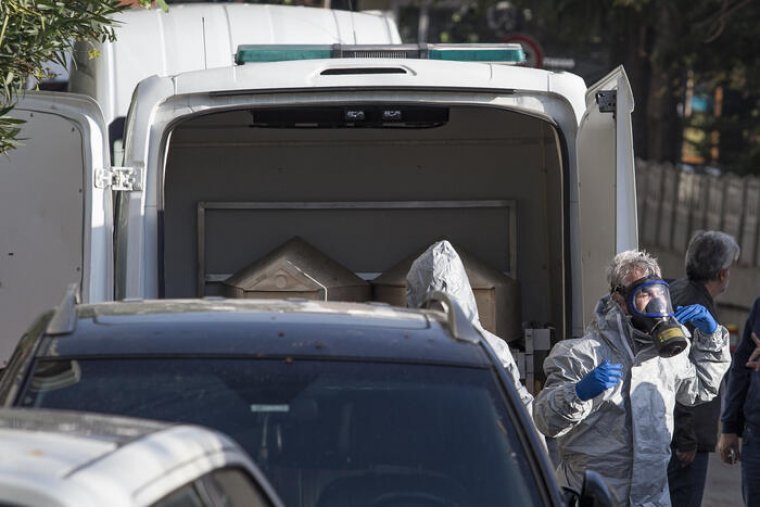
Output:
x,y
55,443
66,458
264,328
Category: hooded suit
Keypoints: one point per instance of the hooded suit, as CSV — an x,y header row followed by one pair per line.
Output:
x,y
439,268
624,433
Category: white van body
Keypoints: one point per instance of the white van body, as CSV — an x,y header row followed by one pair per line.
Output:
x,y
203,36
531,171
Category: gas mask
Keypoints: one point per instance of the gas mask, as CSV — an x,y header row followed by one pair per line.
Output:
x,y
648,303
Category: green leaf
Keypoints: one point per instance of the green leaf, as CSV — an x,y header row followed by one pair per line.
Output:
x,y
33,32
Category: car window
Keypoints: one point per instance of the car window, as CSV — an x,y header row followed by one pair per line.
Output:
x,y
230,487
326,433
186,496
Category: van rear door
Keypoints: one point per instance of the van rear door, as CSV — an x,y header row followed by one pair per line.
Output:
x,y
55,225
607,191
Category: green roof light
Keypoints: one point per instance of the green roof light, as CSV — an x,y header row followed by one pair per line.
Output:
x,y
504,53
484,53
257,53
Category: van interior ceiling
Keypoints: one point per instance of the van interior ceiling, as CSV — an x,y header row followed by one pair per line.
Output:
x,y
367,187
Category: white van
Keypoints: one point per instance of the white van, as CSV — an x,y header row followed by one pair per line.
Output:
x,y
203,36
369,154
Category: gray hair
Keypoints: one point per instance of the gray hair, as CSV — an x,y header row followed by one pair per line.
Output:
x,y
625,263
708,253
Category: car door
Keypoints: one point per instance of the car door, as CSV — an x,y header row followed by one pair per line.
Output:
x,y
55,211
607,190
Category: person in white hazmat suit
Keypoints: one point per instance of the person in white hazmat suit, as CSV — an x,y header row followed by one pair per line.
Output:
x,y
609,396
439,268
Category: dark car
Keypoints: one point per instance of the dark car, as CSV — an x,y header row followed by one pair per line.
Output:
x,y
339,404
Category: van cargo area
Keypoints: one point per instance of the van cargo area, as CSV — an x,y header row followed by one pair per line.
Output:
x,y
367,187
324,176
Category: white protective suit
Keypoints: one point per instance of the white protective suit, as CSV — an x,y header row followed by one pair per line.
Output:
x,y
624,433
439,268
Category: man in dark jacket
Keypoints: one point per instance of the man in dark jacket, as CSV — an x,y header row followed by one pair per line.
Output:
x,y
741,410
709,257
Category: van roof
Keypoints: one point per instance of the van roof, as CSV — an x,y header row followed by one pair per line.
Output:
x,y
378,74
206,35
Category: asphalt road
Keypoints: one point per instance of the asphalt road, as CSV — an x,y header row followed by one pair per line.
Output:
x,y
724,484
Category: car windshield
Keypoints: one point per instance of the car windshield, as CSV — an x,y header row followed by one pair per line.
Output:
x,y
326,433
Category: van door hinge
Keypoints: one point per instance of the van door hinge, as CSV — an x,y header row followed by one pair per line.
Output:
x,y
607,101
119,179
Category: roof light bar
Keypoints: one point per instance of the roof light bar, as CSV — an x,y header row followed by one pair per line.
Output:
x,y
485,53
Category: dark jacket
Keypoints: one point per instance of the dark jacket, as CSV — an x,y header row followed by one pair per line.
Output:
x,y
694,427
742,396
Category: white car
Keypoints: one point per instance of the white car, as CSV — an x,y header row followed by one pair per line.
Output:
x,y
72,459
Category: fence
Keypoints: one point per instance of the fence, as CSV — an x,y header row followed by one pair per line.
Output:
x,y
673,203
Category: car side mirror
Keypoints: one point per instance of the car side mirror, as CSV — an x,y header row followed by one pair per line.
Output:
x,y
594,492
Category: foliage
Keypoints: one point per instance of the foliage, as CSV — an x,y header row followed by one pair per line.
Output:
x,y
33,32
732,69
667,46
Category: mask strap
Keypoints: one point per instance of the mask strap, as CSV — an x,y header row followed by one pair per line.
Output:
x,y
624,336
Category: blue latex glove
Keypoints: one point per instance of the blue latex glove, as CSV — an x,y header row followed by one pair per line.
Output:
x,y
598,380
698,316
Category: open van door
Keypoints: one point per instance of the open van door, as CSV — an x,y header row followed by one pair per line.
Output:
x,y
55,211
607,190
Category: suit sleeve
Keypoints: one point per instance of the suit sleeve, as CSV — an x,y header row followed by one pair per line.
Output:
x,y
684,434
732,416
709,359
501,349
557,408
